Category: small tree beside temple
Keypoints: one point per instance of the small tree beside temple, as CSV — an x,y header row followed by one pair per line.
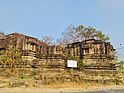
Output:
x,y
10,58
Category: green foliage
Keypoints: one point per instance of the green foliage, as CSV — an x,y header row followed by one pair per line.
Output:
x,y
80,33
120,66
10,58
117,81
86,32
102,37
22,77
34,72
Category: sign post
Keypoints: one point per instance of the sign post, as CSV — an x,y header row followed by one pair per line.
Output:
x,y
72,64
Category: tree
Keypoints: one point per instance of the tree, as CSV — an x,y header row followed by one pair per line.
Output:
x,y
121,65
47,39
80,33
69,36
10,58
2,35
102,37
86,32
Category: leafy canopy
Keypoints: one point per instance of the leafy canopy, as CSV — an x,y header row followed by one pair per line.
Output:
x,y
80,33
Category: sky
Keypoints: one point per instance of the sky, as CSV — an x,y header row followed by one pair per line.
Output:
x,y
51,17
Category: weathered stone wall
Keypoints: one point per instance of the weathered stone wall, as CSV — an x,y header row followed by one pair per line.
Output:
x,y
35,53
94,53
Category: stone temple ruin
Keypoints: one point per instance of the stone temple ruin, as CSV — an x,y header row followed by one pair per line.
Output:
x,y
96,55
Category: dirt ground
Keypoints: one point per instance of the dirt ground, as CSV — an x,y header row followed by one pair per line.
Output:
x,y
63,87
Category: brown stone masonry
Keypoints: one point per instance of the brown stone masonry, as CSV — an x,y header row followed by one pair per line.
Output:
x,y
95,54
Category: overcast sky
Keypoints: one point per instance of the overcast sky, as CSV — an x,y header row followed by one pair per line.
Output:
x,y
51,17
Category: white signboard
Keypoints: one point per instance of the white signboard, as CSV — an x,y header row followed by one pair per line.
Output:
x,y
71,63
